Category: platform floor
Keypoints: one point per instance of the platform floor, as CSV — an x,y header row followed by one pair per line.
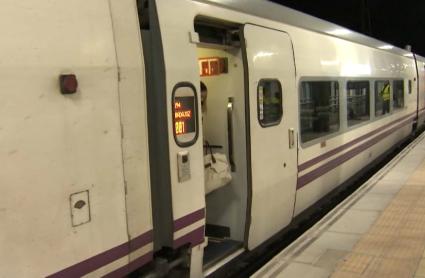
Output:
x,y
379,231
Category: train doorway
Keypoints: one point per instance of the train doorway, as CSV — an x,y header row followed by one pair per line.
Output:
x,y
221,70
245,93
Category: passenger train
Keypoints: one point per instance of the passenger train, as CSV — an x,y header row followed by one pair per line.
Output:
x,y
104,131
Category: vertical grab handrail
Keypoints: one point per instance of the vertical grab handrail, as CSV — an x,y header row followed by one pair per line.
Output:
x,y
230,133
291,133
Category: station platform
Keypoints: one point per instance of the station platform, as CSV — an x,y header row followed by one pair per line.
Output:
x,y
379,231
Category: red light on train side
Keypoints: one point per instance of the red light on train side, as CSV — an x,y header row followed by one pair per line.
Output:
x,y
68,83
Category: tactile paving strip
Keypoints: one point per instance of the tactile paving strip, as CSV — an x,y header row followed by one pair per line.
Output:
x,y
394,245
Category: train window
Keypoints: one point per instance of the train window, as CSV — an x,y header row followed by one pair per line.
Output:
x,y
398,94
382,97
319,109
358,100
410,87
269,93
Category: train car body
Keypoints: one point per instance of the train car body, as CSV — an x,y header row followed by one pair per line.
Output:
x,y
69,159
284,157
111,178
420,68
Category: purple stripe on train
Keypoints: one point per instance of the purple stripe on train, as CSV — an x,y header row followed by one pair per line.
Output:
x,y
324,156
141,241
194,238
89,265
104,258
132,266
320,171
189,219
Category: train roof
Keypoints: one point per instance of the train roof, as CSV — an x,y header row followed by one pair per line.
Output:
x,y
279,13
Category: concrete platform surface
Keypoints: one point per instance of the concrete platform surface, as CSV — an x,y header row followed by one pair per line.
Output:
x,y
379,231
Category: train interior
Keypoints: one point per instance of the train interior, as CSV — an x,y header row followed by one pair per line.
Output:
x,y
223,123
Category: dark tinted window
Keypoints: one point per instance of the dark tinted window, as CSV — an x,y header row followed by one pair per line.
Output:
x,y
358,102
382,97
398,94
319,109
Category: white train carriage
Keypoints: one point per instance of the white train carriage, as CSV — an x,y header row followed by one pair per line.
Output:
x,y
296,104
420,87
74,185
104,136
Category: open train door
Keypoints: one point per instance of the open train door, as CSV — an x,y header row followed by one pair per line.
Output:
x,y
273,109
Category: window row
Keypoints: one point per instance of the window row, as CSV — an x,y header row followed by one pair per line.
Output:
x,y
320,104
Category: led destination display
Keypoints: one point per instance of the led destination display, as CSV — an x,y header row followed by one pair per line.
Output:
x,y
184,115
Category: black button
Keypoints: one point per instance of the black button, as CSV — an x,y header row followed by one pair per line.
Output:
x,y
185,158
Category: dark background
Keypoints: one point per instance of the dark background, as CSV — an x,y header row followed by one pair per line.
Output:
x,y
399,22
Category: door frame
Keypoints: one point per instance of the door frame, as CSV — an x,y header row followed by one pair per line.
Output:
x,y
248,135
246,68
